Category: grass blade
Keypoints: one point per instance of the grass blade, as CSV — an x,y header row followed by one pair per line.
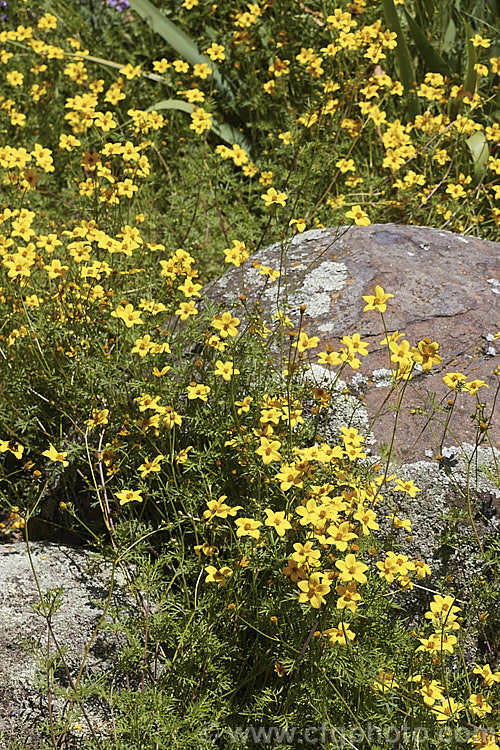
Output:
x,y
429,55
478,146
403,57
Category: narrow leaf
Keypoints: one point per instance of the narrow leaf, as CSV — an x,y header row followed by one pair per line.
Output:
x,y
429,55
471,77
478,146
403,58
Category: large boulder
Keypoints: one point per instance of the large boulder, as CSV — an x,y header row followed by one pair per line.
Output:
x,y
446,287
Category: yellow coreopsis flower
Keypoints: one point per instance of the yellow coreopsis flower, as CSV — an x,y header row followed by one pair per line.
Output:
x,y
314,590
247,527
359,216
201,120
128,496
351,569
377,301
218,576
197,390
54,455
272,197
278,520
226,370
129,316
269,450
226,325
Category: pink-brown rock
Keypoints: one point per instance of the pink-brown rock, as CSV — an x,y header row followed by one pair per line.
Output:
x,y
446,287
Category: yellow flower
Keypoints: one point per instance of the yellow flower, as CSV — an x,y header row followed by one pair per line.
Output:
x,y
202,70
225,370
237,254
358,216
218,576
479,41
300,224
128,496
314,590
473,386
15,448
201,120
377,301
216,52
248,527
143,346
129,71
443,613
351,569
226,325
407,486
426,354
147,466
197,390
355,345
341,634
454,380
269,450
448,709
129,316
219,509
288,477
278,520
54,455
348,597
98,418
305,342
272,197
186,309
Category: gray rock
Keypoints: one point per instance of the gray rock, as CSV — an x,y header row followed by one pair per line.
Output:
x,y
445,286
25,638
